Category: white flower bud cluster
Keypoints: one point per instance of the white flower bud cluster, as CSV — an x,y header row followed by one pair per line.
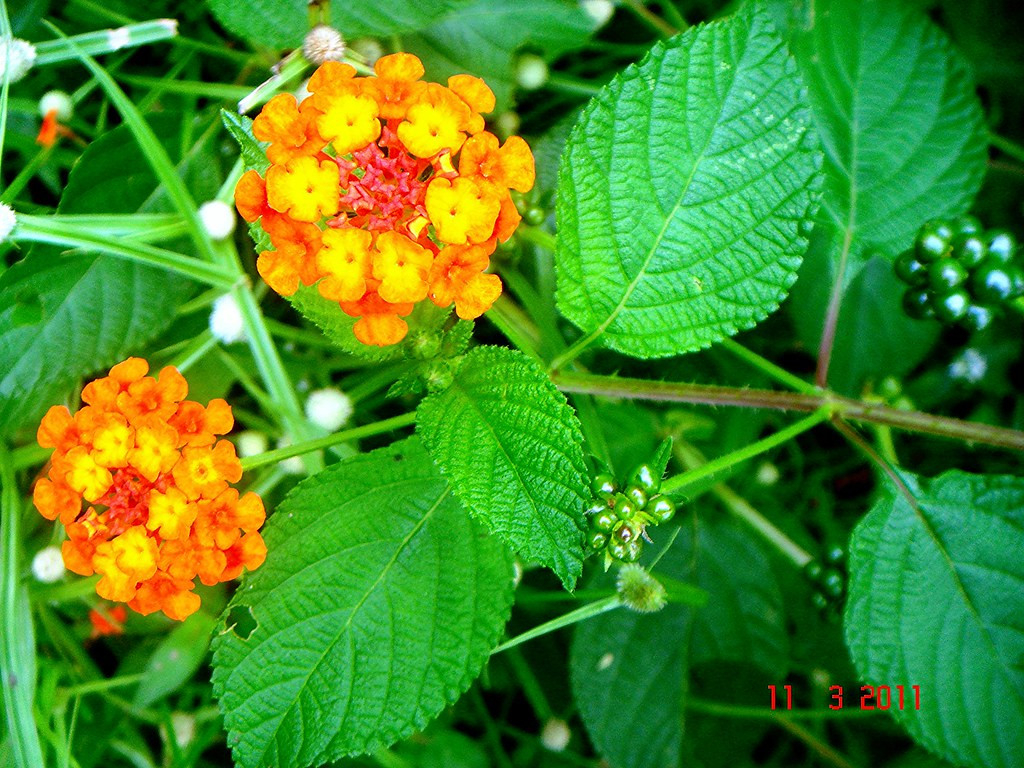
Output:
x,y
17,57
48,565
217,218
328,408
323,43
59,102
226,323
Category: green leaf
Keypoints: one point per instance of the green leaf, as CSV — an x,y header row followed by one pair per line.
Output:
x,y
510,446
284,23
485,37
254,153
896,154
683,189
176,659
62,317
936,597
630,668
378,604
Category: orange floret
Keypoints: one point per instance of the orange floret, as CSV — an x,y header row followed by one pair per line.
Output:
x,y
409,173
156,480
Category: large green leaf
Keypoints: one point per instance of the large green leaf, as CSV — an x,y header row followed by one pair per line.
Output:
x,y
485,37
378,604
683,190
630,672
899,148
284,23
510,445
62,317
936,599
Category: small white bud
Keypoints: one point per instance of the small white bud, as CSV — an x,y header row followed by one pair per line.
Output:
x,y
59,101
598,10
328,408
369,48
250,443
226,320
531,71
323,43
119,38
555,735
184,726
767,473
19,55
507,123
971,366
48,565
218,219
294,465
7,221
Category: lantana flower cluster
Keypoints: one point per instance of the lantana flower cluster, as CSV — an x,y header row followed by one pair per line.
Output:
x,y
142,485
384,191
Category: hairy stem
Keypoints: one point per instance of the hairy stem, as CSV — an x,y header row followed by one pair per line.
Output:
x,y
847,408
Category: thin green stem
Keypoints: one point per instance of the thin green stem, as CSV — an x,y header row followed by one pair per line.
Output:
x,y
40,229
531,686
17,641
516,327
25,175
675,485
651,19
848,408
575,86
5,35
537,236
1007,147
573,617
824,750
720,709
104,41
770,369
299,449
95,686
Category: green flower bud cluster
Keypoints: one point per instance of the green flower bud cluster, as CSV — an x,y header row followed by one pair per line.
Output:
x,y
618,515
828,579
958,273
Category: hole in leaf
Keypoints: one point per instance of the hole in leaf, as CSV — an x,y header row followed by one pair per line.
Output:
x,y
241,621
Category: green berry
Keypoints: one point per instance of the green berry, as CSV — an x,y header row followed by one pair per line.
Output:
x,y
945,274
969,250
813,571
535,216
978,317
633,550
618,549
917,303
933,241
833,584
661,508
991,283
835,555
1016,281
597,540
910,270
605,521
819,601
966,225
595,508
951,306
889,388
637,495
603,485
1001,245
624,508
626,533
643,476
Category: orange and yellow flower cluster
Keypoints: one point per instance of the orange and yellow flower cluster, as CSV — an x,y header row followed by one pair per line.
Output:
x,y
155,481
385,191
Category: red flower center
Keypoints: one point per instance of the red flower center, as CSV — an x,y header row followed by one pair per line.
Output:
x,y
127,501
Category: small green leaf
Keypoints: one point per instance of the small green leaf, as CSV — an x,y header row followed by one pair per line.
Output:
x,y
176,659
936,597
378,604
683,189
485,37
510,445
284,23
634,669
254,153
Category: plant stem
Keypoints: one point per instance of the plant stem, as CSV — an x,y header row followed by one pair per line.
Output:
x,y
824,750
649,18
675,485
299,449
537,236
563,83
107,684
704,706
1007,147
743,509
770,369
828,332
516,327
587,611
17,642
847,408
